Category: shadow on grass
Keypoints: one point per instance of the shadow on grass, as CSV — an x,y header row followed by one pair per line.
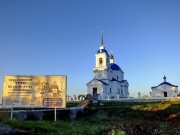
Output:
x,y
137,117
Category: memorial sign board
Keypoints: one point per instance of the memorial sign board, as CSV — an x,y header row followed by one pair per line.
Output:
x,y
35,91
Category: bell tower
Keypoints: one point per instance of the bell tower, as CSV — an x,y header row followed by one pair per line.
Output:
x,y
102,57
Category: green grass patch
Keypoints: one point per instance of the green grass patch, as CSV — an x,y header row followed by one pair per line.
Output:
x,y
112,118
71,104
60,127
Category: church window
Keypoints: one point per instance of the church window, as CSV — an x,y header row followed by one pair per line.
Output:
x,y
117,77
100,61
110,90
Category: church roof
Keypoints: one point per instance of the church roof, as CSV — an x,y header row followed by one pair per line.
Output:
x,y
123,81
99,81
114,67
113,79
102,51
166,83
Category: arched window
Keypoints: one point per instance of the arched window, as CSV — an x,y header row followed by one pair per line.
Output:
x,y
100,61
110,90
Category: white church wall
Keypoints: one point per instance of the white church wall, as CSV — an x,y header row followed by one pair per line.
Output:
x,y
104,58
114,86
123,91
126,90
100,74
118,74
109,74
105,92
88,89
159,91
95,84
105,74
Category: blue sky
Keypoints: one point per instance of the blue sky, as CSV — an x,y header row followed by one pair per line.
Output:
x,y
61,37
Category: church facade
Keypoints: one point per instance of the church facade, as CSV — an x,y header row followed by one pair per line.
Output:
x,y
165,89
108,81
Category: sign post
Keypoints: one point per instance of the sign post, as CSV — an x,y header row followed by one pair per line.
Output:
x,y
55,114
11,113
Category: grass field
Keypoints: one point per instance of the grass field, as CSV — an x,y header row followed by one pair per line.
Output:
x,y
110,118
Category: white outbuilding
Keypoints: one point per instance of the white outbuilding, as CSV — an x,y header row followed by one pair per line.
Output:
x,y
165,89
108,81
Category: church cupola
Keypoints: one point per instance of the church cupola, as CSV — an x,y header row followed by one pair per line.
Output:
x,y
164,78
111,59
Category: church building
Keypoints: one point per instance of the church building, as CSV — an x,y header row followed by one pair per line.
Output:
x,y
165,89
108,81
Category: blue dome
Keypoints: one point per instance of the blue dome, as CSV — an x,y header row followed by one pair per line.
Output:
x,y
115,67
102,50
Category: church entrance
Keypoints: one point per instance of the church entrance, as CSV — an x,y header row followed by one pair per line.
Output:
x,y
165,94
94,91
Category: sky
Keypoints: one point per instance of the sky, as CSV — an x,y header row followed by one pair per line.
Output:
x,y
61,37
